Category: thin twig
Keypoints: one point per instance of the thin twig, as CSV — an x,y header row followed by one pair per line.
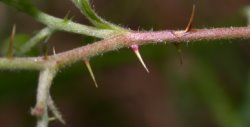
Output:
x,y
41,108
41,35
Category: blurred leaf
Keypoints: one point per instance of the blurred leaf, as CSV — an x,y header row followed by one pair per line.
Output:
x,y
246,104
219,103
22,5
19,41
246,12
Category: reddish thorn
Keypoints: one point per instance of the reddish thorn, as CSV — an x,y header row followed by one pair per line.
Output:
x,y
135,48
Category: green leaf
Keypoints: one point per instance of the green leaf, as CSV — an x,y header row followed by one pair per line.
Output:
x,y
86,9
22,5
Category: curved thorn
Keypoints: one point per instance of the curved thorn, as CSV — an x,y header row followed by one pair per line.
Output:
x,y
91,72
11,44
135,48
190,23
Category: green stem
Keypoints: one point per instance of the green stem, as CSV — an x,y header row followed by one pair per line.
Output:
x,y
57,23
41,35
69,26
22,63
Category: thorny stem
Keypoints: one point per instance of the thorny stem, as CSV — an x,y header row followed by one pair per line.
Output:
x,y
142,38
124,40
113,38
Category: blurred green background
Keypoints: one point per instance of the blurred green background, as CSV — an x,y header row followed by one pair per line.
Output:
x,y
210,89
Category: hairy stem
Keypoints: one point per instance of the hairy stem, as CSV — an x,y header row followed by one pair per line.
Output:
x,y
125,40
26,63
43,121
43,93
142,38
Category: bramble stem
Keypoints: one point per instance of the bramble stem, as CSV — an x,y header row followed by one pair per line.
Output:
x,y
121,41
113,38
142,38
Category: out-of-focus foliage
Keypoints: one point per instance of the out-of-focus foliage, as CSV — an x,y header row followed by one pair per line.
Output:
x,y
246,11
19,41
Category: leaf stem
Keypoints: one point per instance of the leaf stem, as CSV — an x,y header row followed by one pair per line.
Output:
x,y
41,35
69,26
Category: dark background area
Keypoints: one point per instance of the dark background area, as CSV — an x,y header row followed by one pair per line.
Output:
x,y
210,89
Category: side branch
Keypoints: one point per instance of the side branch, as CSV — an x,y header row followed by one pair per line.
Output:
x,y
126,40
43,96
70,26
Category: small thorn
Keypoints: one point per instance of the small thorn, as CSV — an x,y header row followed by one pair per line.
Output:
x,y
179,50
52,118
91,72
135,48
190,23
11,44
54,51
67,18
71,18
55,111
45,51
188,28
